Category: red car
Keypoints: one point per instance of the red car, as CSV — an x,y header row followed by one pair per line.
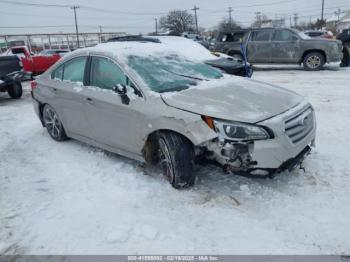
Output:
x,y
36,64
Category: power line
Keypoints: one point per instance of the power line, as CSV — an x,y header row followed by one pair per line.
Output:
x,y
89,8
36,26
265,4
32,4
86,8
68,17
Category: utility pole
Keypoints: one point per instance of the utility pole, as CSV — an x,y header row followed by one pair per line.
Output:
x,y
338,12
296,17
156,23
76,22
290,21
100,27
258,19
230,10
195,8
322,12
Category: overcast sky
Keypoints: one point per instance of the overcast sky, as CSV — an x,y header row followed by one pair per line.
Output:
x,y
136,16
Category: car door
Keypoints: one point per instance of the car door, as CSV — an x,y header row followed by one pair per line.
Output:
x,y
285,47
259,46
67,95
112,122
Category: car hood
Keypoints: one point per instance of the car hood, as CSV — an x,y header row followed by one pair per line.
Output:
x,y
234,98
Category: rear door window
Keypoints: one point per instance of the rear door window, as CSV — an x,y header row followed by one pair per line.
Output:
x,y
261,35
58,73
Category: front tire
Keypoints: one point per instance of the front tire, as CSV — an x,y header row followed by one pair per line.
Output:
x,y
314,61
15,91
176,159
53,124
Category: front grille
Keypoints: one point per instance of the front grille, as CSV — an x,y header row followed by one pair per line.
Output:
x,y
299,126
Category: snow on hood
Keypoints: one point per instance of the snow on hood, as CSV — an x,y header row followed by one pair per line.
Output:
x,y
234,98
169,45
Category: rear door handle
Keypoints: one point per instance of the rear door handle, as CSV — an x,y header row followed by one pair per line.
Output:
x,y
89,100
55,90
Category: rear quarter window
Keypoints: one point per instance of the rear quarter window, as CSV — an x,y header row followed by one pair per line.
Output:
x,y
57,74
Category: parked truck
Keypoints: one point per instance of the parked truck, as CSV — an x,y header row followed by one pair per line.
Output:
x,y
279,46
36,64
10,76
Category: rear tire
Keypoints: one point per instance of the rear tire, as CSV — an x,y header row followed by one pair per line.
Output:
x,y
176,159
314,61
15,91
53,124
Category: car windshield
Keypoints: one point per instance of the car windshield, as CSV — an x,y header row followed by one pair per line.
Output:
x,y
171,73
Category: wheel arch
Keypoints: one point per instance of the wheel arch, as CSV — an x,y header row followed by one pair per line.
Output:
x,y
313,50
41,112
150,145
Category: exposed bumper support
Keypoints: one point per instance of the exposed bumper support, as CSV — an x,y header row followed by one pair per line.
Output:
x,y
239,158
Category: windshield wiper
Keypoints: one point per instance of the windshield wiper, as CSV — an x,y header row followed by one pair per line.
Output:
x,y
191,77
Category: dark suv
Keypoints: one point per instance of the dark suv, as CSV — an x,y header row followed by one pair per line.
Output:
x,y
280,46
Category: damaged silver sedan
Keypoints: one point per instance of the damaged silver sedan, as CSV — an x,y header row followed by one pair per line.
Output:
x,y
159,103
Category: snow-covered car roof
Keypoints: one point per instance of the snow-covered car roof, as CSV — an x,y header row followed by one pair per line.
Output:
x,y
169,45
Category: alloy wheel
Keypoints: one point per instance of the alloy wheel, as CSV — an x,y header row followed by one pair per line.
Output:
x,y
313,61
165,161
52,122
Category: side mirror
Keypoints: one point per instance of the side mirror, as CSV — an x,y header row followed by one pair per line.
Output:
x,y
295,38
122,92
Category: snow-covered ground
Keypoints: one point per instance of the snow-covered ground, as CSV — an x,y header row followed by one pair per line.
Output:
x,y
70,198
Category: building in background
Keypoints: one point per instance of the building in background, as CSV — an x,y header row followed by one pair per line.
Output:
x,y
344,22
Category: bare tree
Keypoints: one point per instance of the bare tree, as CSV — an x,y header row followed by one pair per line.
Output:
x,y
177,21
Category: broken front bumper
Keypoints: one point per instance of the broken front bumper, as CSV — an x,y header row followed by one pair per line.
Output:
x,y
294,134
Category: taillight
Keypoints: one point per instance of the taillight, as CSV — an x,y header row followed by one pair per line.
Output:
x,y
33,85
